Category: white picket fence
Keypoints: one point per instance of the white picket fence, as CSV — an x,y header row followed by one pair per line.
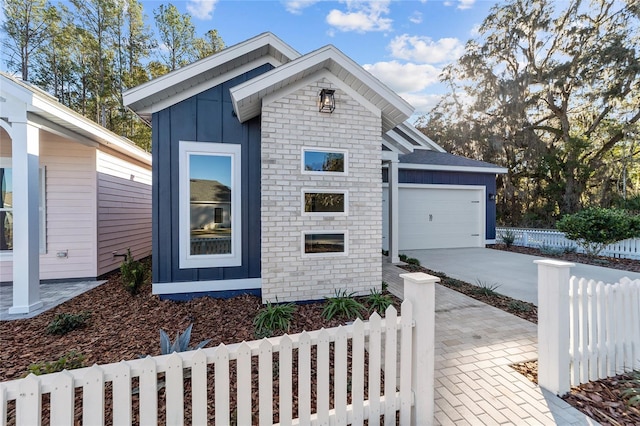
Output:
x,y
626,249
587,330
401,348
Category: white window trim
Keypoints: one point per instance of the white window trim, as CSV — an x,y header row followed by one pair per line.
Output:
x,y
344,192
188,261
323,173
6,163
325,231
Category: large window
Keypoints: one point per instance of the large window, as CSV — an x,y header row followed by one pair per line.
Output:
x,y
6,207
321,161
210,229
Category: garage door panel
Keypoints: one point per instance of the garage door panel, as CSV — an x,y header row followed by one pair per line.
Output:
x,y
439,218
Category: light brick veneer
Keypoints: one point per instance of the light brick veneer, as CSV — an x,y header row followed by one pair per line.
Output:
x,y
289,124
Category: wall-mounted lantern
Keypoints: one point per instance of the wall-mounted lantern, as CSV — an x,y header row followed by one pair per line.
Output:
x,y
327,100
492,197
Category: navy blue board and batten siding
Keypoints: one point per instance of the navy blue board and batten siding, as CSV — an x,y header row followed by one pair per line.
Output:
x,y
434,177
205,117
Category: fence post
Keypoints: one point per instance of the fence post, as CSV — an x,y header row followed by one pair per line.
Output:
x,y
553,325
419,289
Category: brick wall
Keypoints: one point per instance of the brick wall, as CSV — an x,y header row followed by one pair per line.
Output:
x,y
289,124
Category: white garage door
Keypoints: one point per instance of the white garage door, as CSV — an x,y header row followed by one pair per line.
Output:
x,y
439,217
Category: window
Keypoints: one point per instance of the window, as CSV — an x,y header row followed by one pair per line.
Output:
x,y
210,228
320,161
6,207
324,202
319,243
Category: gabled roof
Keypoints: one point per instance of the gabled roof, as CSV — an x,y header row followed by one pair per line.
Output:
x,y
199,76
423,159
405,138
45,111
247,97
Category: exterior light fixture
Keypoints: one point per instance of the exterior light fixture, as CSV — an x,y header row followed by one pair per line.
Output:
x,y
327,100
492,197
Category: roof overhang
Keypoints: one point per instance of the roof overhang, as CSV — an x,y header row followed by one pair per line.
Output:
x,y
452,168
247,97
45,112
181,84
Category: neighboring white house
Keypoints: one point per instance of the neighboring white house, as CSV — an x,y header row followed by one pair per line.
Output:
x,y
73,193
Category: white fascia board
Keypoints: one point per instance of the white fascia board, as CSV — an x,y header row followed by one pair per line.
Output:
x,y
208,84
43,106
392,147
326,56
438,167
389,156
51,127
319,75
394,137
150,88
420,137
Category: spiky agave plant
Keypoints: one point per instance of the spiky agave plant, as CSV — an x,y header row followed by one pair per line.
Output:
x,y
181,343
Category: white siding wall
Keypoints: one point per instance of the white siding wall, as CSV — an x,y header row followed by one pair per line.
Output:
x,y
289,124
124,209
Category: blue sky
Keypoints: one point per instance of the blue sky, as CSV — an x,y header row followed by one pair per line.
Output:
x,y
403,43
211,167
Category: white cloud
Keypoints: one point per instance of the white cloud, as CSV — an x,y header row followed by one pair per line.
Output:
x,y
475,30
424,50
422,102
201,9
465,4
296,6
404,77
361,16
416,17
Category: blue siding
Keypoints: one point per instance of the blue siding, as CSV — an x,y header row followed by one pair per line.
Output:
x,y
206,117
455,178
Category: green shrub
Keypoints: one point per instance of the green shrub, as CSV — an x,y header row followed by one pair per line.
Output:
x,y
273,319
549,250
133,273
379,302
403,257
64,322
486,289
68,361
632,394
385,286
595,228
342,305
181,343
412,261
519,306
508,237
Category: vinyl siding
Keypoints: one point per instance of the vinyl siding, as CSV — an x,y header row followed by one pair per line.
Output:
x,y
124,209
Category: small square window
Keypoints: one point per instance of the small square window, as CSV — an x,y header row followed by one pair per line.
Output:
x,y
319,161
325,243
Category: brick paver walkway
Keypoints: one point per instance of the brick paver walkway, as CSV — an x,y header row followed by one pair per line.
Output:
x,y
475,343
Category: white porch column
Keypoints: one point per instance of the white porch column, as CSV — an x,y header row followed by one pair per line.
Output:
x,y
25,145
393,210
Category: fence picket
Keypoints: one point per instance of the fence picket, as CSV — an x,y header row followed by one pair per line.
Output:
x,y
304,379
620,328
591,325
574,333
3,405
285,362
322,391
148,392
601,325
635,323
611,335
584,336
265,382
199,388
374,368
29,402
405,362
63,399
243,366
340,377
390,365
221,371
357,372
174,393
93,397
628,330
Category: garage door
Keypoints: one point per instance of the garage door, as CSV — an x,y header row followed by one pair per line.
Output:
x,y
439,218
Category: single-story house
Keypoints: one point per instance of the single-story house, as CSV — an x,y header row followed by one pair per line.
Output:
x,y
299,141
73,193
